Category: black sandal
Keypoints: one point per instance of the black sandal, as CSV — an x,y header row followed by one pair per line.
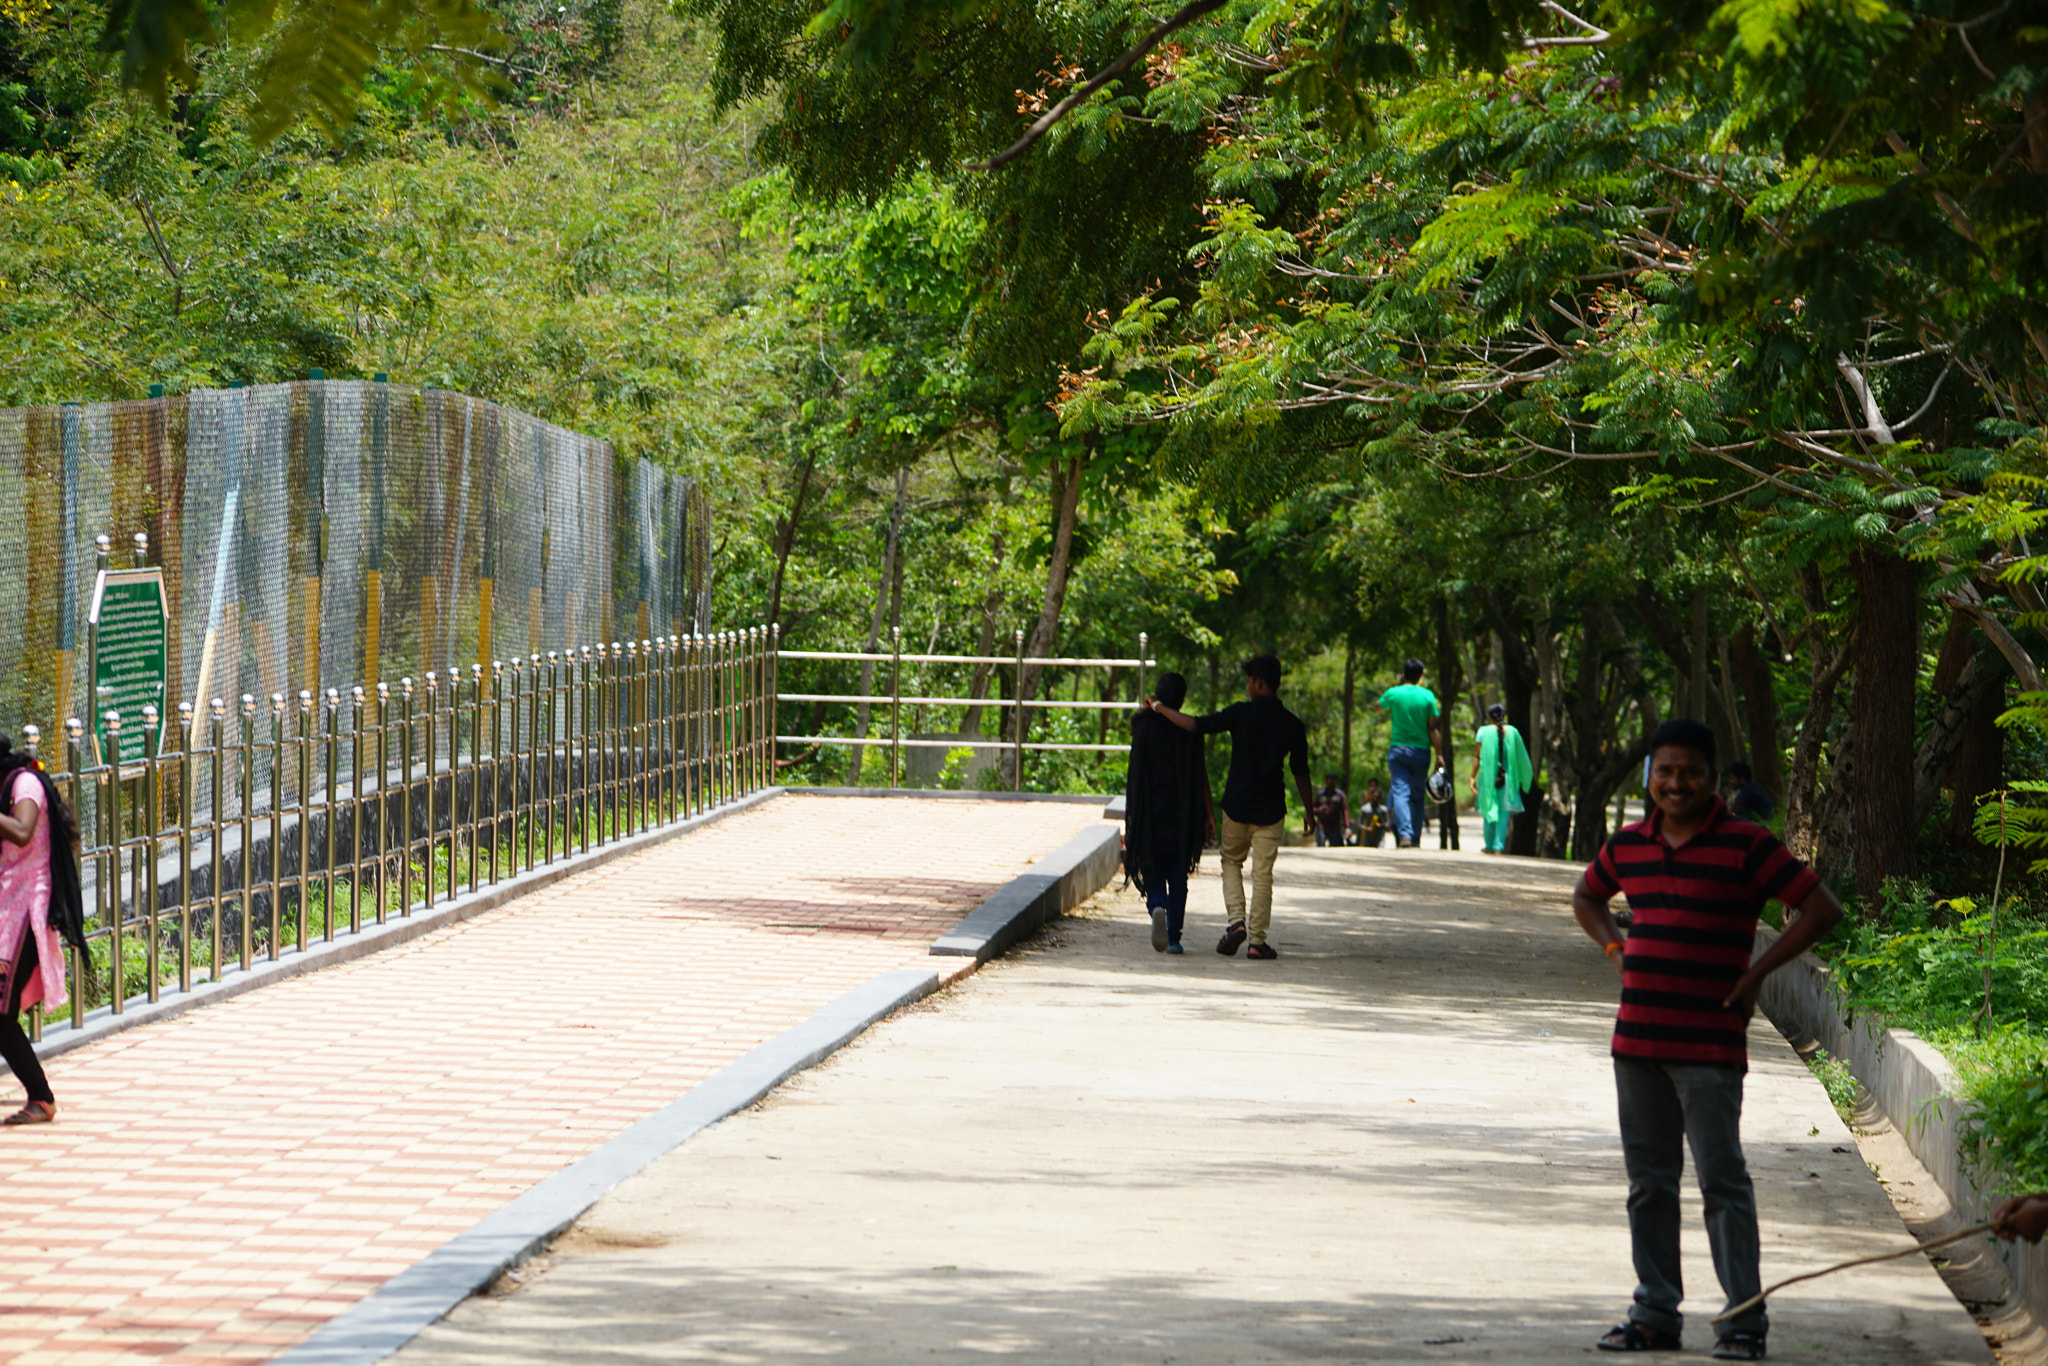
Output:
x,y
1637,1337
1741,1345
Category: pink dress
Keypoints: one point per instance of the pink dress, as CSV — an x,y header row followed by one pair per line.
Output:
x,y
25,905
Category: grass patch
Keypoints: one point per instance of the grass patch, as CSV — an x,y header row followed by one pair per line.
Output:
x,y
1838,1081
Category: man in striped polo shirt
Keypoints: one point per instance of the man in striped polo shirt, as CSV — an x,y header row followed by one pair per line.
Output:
x,y
1696,879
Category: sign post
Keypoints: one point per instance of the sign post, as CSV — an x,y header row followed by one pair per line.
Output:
x,y
130,631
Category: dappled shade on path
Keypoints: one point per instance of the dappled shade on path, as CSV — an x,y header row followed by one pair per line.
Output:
x,y
1396,1144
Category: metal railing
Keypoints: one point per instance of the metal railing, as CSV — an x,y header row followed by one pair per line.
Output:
x,y
199,861
1013,726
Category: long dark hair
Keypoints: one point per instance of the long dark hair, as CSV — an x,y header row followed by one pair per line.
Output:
x,y
67,908
1498,715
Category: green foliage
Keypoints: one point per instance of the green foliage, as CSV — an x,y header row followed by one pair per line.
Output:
x,y
1918,962
1837,1080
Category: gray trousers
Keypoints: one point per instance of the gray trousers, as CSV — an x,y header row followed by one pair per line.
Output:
x,y
1667,1107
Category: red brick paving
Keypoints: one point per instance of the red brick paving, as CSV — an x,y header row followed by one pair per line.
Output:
x,y
220,1183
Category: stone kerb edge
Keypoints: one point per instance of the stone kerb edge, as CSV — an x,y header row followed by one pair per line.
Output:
x,y
1056,884
408,1303
951,794
1914,1084
373,937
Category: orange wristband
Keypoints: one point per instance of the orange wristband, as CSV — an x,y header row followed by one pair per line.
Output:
x,y
1613,948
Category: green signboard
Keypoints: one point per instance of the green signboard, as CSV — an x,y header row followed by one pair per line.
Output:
x,y
130,658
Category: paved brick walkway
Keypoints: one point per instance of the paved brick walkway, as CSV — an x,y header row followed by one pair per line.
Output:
x,y
220,1183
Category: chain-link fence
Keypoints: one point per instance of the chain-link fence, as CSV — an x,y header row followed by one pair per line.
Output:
x,y
332,532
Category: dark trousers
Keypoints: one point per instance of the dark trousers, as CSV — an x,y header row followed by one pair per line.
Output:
x,y
1166,888
1667,1107
14,1045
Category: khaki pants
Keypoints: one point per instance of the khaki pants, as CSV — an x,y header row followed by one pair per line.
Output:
x,y
1262,842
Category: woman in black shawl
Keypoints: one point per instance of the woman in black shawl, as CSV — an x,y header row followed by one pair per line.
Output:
x,y
1167,816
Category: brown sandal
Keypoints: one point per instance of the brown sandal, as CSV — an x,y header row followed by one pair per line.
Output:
x,y
35,1112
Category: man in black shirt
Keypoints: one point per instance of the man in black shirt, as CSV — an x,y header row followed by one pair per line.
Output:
x,y
1264,736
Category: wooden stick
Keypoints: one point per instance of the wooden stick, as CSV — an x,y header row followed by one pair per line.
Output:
x,y
1754,1300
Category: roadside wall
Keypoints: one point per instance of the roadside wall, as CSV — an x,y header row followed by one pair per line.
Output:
x,y
1915,1087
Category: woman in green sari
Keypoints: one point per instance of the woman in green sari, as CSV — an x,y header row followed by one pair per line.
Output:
x,y
1501,773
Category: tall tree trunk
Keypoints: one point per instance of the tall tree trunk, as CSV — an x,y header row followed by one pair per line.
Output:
x,y
1834,817
1756,679
1887,660
1045,632
1604,756
1802,796
1973,699
1517,687
1551,741
785,537
985,641
885,583
1350,696
1979,767
1450,685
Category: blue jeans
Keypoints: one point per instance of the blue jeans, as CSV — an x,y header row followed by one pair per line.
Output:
x,y
1408,770
1166,888
1667,1107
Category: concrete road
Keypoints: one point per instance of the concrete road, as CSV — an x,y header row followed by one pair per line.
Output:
x,y
1395,1144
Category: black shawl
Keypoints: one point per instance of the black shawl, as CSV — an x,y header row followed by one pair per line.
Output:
x,y
1164,808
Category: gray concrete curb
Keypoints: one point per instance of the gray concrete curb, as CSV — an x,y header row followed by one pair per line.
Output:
x,y
371,938
950,794
409,1302
1057,883
1915,1086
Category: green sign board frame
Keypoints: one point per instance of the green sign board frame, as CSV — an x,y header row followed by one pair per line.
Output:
x,y
131,635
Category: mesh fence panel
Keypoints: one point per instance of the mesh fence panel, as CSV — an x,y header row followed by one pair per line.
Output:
x,y
327,533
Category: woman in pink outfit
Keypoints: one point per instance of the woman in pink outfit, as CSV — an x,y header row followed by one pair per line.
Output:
x,y
32,887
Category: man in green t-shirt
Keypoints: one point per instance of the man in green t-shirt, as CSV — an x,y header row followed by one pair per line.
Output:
x,y
1416,731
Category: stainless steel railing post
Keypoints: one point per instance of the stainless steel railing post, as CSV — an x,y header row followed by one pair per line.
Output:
x,y
277,790
144,859
182,805
405,821
331,844
432,746
216,738
499,834
74,769
248,805
357,700
305,814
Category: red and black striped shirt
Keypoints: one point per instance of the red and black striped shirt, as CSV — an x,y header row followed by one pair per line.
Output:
x,y
1695,911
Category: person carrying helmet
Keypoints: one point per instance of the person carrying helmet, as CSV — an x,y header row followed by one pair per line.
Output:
x,y
1415,732
1264,736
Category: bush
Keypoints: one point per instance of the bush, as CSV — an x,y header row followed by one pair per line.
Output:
x,y
1917,962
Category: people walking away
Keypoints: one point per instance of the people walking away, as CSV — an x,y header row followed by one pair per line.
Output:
x,y
1751,800
1501,773
1264,737
1333,813
1416,733
1372,815
40,911
1696,878
1167,816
